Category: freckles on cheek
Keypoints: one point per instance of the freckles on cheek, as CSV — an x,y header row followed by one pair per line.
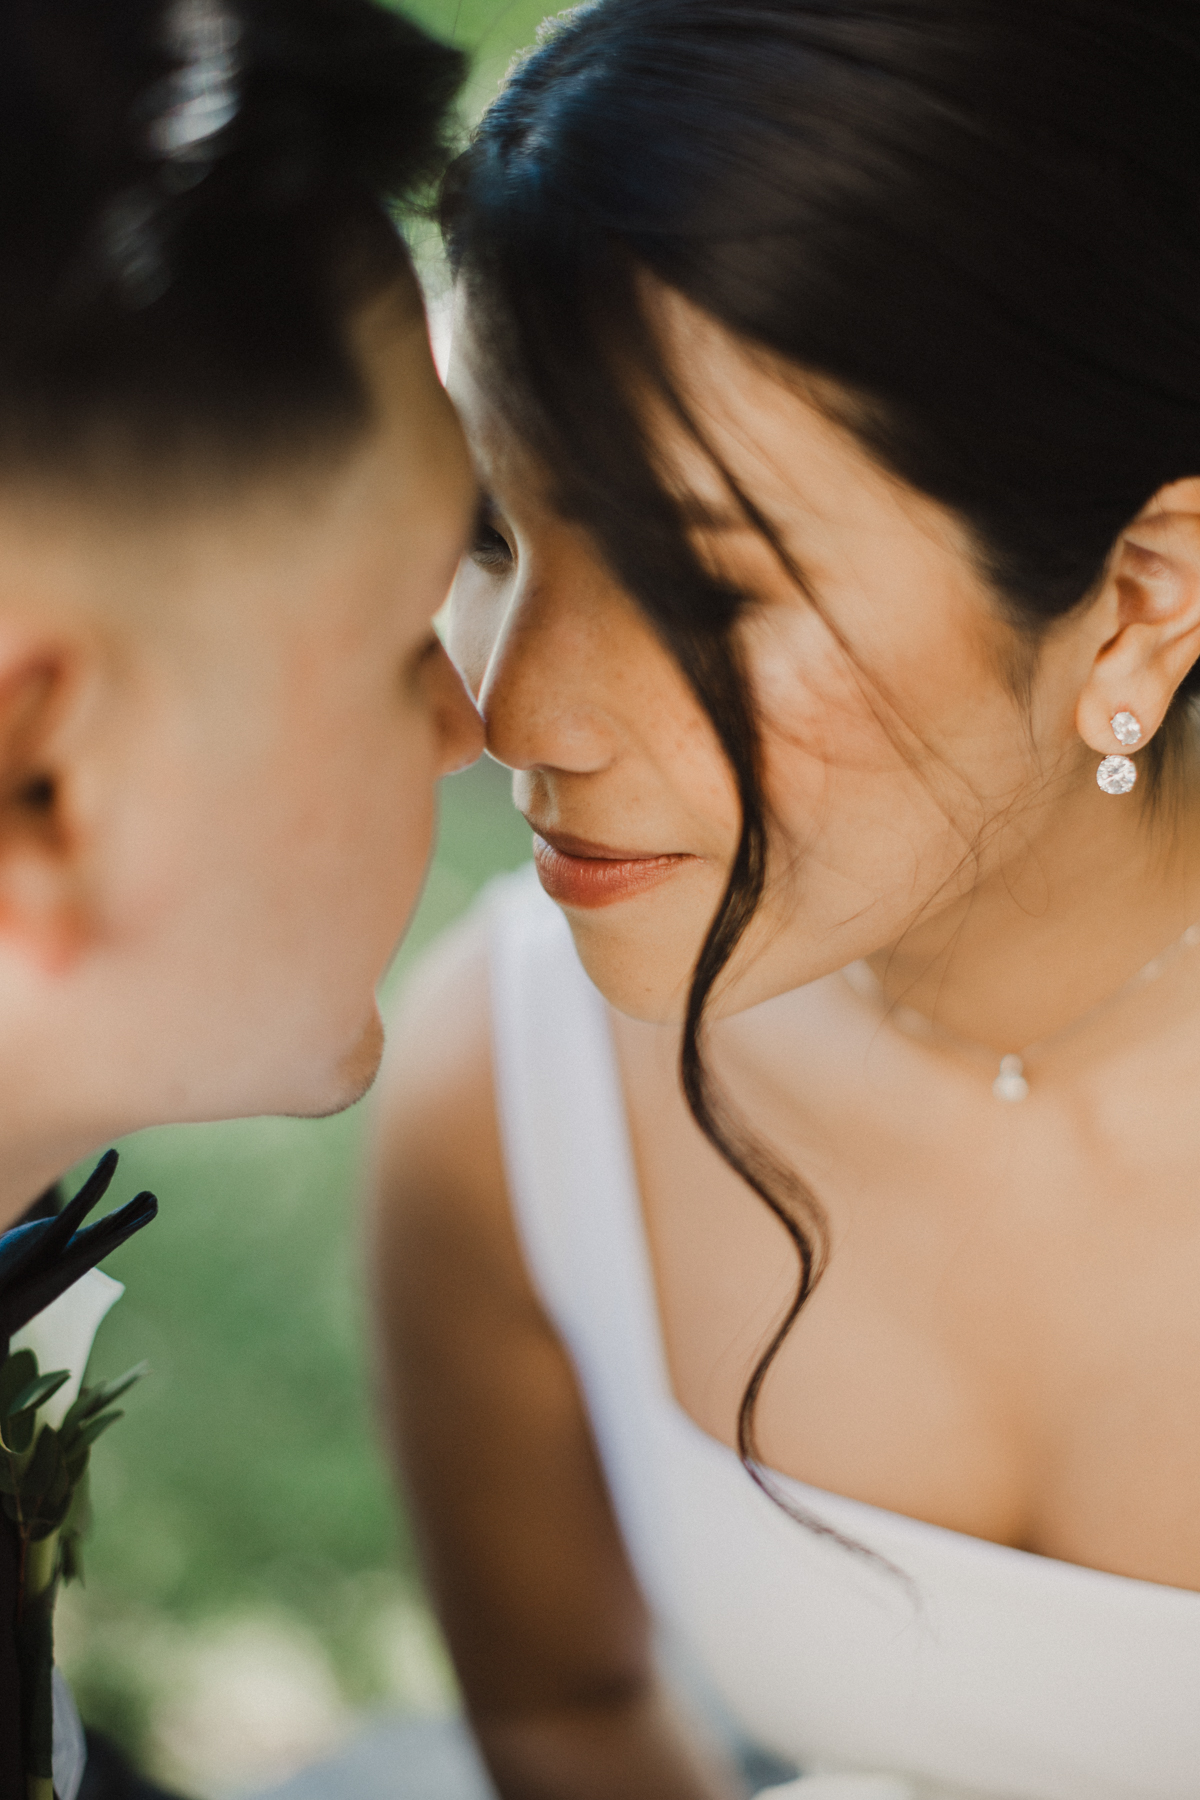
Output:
x,y
814,705
711,788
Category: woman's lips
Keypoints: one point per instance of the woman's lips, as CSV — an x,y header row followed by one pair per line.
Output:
x,y
577,873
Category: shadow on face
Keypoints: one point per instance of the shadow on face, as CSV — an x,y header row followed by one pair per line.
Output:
x,y
896,750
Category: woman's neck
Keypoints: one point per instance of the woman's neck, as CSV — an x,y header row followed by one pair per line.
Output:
x,y
1070,911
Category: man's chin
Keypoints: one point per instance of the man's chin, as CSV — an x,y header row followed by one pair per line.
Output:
x,y
353,1076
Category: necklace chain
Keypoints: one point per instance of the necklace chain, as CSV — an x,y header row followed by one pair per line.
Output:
x,y
1011,1082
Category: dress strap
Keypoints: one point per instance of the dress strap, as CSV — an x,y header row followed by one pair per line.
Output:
x,y
562,1115
572,1182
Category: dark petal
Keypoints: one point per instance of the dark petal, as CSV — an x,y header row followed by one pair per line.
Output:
x,y
17,1248
27,1248
22,1302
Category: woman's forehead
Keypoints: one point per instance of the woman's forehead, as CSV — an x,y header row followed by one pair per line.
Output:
x,y
756,422
504,463
754,429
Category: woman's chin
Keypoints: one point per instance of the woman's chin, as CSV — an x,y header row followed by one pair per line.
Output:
x,y
641,954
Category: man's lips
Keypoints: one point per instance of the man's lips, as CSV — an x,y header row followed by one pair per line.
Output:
x,y
577,872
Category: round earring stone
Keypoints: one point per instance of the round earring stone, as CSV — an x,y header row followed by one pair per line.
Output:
x,y
1126,729
1116,774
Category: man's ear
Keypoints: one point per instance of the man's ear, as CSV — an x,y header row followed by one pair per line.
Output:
x,y
1151,609
41,915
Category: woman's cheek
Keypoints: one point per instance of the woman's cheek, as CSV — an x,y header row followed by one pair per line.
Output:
x,y
815,705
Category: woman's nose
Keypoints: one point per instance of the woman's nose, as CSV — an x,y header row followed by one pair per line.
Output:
x,y
456,721
545,700
541,666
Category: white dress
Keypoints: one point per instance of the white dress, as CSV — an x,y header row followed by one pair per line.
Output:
x,y
989,1672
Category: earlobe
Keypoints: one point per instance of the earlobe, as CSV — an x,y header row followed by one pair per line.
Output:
x,y
40,923
41,919
1150,609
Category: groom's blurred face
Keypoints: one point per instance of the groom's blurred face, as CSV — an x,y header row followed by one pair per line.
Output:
x,y
251,714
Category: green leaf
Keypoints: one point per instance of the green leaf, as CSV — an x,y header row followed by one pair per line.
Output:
x,y
94,1428
49,1519
17,1371
58,1492
96,1399
35,1393
93,1400
44,1465
18,1432
77,1462
76,1523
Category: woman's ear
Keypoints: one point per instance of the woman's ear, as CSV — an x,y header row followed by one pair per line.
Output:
x,y
1152,614
41,915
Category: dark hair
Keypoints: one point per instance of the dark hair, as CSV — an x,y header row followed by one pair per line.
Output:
x,y
194,200
977,220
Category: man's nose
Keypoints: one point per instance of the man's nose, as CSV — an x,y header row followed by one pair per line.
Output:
x,y
456,718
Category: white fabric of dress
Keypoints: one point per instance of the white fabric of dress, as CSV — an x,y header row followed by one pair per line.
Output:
x,y
989,1671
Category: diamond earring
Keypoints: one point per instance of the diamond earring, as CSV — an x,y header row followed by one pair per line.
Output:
x,y
1117,774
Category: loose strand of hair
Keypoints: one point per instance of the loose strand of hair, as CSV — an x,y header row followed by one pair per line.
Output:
x,y
788,1198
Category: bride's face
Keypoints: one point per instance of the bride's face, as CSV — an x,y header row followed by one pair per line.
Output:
x,y
910,743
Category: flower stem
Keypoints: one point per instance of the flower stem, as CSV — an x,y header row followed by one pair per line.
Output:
x,y
36,1650
41,1565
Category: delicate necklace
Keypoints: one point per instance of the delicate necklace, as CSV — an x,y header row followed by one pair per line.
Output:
x,y
1011,1082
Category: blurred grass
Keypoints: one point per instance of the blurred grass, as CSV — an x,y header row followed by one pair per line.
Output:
x,y
491,31
247,1476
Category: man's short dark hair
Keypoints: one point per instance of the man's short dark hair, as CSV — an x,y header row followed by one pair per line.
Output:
x,y
195,199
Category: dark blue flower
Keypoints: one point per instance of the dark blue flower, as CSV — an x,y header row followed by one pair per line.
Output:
x,y
41,1260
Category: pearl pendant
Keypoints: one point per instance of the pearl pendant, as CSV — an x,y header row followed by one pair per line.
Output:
x,y
1010,1084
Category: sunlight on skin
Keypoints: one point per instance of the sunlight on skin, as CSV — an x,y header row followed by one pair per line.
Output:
x,y
240,711
978,1353
924,816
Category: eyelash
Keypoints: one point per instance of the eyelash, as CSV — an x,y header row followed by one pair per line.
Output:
x,y
489,549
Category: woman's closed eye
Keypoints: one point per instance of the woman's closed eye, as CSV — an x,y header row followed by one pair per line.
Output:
x,y
489,548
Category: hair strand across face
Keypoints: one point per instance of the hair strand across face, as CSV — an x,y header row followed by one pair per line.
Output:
x,y
974,220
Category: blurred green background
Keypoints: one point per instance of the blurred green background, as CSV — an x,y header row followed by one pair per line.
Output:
x,y
491,31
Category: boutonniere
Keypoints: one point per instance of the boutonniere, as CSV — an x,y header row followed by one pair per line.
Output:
x,y
52,1300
